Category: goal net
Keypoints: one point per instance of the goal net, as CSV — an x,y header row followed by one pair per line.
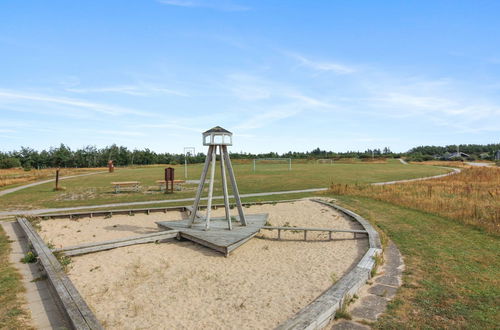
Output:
x,y
272,164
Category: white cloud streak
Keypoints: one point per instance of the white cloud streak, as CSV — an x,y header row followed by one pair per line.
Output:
x,y
140,90
21,97
323,65
221,5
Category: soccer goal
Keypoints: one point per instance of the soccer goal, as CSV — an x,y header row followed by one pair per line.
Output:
x,y
264,162
324,161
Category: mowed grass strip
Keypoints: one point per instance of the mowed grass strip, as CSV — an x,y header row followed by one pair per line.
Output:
x,y
10,178
452,270
97,189
12,314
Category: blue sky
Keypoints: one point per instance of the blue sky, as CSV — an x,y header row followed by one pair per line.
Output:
x,y
282,75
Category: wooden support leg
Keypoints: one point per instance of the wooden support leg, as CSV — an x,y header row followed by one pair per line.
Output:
x,y
224,189
210,190
234,185
279,234
200,186
330,235
305,235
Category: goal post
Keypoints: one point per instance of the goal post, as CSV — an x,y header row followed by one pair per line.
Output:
x,y
287,161
324,161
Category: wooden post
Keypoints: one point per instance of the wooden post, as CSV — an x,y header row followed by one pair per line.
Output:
x,y
234,185
111,166
169,180
57,179
200,186
210,190
224,189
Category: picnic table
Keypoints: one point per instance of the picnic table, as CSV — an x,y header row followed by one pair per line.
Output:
x,y
126,185
161,183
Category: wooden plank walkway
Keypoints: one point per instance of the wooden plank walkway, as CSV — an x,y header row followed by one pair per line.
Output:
x,y
113,244
218,237
70,302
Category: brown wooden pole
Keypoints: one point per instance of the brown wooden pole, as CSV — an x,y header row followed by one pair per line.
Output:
x,y
200,186
57,179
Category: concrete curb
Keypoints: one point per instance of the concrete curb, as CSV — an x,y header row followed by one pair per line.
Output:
x,y
321,311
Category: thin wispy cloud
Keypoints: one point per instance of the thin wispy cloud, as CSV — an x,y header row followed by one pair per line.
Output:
x,y
173,126
267,102
327,66
20,98
221,5
134,90
121,133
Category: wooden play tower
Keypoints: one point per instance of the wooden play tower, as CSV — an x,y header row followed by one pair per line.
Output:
x,y
217,139
223,234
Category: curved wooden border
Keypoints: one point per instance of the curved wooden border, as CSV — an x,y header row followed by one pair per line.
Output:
x,y
321,311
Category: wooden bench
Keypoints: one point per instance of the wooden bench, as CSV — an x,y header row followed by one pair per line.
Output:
x,y
161,183
128,185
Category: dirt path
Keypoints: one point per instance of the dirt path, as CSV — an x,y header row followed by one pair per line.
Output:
x,y
11,190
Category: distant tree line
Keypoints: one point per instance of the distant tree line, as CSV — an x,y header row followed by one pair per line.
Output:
x,y
91,156
475,152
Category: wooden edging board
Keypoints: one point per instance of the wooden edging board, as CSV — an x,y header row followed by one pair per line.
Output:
x,y
147,210
321,311
68,299
113,244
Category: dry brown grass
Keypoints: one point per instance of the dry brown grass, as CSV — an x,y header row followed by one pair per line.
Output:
x,y
18,175
472,196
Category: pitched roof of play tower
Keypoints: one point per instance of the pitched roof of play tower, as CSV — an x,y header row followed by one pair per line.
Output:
x,y
217,129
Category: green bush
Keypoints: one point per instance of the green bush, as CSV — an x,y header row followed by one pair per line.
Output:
x,y
9,163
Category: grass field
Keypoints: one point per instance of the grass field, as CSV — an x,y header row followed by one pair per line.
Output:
x,y
14,177
97,189
452,268
452,271
471,197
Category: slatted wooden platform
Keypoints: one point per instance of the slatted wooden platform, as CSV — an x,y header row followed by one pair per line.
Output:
x,y
218,237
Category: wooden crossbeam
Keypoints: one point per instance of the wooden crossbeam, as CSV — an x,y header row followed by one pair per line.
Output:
x,y
307,229
316,229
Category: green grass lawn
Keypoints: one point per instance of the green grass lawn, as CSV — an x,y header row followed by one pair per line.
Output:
x,y
97,189
12,314
452,276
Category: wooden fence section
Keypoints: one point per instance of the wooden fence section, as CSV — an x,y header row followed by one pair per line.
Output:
x,y
68,299
306,230
113,244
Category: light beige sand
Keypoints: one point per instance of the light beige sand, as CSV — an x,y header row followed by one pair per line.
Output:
x,y
184,285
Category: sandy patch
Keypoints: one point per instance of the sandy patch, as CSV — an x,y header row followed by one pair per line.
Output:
x,y
184,285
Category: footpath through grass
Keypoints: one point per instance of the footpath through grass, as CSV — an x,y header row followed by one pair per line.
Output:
x,y
97,189
452,277
12,315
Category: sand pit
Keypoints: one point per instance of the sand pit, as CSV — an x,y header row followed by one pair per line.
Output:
x,y
184,285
